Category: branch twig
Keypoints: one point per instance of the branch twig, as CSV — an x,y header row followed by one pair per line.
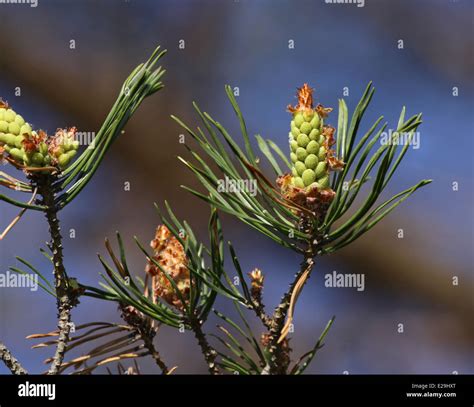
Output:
x,y
10,361
155,354
17,217
276,347
66,298
294,297
147,331
257,278
208,351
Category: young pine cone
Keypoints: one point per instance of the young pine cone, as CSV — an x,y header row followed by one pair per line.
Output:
x,y
170,255
310,143
13,130
34,148
311,155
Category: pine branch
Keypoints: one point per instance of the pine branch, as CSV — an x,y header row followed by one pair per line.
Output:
x,y
300,211
10,361
259,309
274,209
256,279
276,347
148,342
146,330
45,160
117,342
66,297
207,350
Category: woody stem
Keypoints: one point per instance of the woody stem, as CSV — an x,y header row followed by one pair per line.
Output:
x,y
207,350
65,299
10,361
277,364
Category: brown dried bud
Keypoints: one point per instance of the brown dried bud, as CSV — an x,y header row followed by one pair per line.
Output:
x,y
256,281
257,277
170,255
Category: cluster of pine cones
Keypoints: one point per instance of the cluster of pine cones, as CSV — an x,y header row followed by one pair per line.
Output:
x,y
30,148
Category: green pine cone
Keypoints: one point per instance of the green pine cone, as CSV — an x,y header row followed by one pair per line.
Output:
x,y
311,154
308,154
35,149
308,143
13,130
13,123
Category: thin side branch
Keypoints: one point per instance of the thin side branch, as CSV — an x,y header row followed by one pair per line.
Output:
x,y
17,217
257,278
145,328
207,350
277,348
10,361
155,354
294,297
259,310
